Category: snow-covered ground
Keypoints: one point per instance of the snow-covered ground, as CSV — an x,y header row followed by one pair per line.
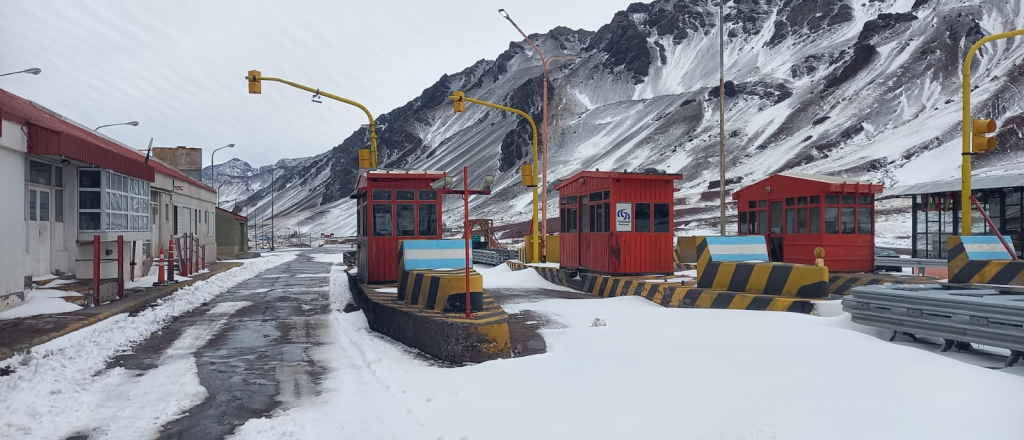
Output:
x,y
61,388
653,372
41,302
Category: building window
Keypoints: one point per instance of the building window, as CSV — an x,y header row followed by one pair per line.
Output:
x,y
58,205
585,213
863,220
815,219
849,200
405,194
428,194
210,226
815,200
427,219
662,217
382,226
44,206
382,194
831,220
642,217
405,216
108,201
33,215
849,222
831,200
801,220
40,173
791,221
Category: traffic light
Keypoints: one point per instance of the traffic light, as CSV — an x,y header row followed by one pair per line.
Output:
x,y
528,179
457,100
255,87
981,142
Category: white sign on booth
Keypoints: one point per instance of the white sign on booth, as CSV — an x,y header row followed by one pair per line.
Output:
x,y
623,217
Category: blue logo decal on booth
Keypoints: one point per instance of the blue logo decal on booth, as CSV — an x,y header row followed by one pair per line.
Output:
x,y
623,214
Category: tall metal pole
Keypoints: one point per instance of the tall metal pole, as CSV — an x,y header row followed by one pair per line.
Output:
x,y
721,110
273,179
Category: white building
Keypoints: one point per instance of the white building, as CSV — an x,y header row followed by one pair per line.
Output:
x,y
63,185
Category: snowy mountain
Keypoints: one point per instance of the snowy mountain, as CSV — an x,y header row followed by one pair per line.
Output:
x,y
862,89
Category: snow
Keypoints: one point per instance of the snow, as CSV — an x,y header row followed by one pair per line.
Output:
x,y
41,302
721,373
61,389
336,258
502,276
152,277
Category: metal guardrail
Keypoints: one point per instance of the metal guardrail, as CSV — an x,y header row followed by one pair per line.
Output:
x,y
981,316
494,257
909,262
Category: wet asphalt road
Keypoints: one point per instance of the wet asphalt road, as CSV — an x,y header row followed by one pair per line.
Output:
x,y
258,360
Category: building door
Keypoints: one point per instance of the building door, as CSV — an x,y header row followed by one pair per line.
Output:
x,y
777,229
39,229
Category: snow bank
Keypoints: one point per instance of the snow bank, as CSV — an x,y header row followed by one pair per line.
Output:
x,y
54,393
718,373
500,277
41,302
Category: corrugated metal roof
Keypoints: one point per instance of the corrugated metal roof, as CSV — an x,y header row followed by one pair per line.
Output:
x,y
954,185
50,134
824,178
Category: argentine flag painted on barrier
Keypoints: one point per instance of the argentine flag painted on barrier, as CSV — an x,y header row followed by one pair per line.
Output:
x,y
738,248
434,254
986,247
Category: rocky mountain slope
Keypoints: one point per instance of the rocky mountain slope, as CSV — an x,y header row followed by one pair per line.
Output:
x,y
863,89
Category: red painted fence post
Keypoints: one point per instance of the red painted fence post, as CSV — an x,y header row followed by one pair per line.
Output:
x,y
95,270
120,266
465,199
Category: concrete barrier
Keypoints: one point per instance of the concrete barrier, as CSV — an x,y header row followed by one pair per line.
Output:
x,y
450,338
782,279
842,284
982,260
442,291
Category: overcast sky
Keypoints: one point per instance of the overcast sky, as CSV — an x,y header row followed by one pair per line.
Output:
x,y
178,66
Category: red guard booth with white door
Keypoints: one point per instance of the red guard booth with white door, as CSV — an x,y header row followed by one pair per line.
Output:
x,y
393,205
799,212
617,223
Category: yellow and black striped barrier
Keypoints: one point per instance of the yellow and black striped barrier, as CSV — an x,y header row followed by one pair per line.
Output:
x,y
782,279
441,290
675,295
842,284
982,260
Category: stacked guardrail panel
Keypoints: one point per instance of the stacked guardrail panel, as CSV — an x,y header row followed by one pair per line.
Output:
x,y
494,257
981,316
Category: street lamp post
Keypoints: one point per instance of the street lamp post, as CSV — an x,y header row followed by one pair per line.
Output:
x,y
721,112
132,123
213,170
31,71
544,132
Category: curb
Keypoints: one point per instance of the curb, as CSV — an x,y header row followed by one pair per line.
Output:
x,y
119,307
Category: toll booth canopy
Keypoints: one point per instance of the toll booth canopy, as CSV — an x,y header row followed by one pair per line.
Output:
x,y
799,212
393,205
936,212
617,223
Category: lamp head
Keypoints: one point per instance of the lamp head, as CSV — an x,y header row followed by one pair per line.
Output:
x,y
504,14
34,71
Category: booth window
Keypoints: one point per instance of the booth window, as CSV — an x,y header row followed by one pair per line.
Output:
x,y
863,220
815,214
776,213
743,227
831,200
762,222
569,220
849,223
791,221
607,215
428,194
642,217
428,219
849,200
751,226
801,220
662,217
864,200
831,219
815,200
585,212
382,220
382,194
405,216
405,194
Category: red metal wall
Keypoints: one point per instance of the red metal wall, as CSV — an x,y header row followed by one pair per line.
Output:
x,y
381,253
843,252
615,252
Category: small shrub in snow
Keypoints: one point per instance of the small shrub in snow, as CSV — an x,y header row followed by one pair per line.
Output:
x,y
598,322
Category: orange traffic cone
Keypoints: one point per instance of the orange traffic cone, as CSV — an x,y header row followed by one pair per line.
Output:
x,y
160,272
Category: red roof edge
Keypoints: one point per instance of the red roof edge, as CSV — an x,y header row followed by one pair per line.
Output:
x,y
237,216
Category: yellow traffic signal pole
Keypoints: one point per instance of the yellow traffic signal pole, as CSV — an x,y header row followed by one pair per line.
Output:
x,y
255,78
459,99
965,190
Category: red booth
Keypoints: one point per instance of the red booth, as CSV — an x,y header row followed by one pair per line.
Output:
x,y
617,223
393,205
799,212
